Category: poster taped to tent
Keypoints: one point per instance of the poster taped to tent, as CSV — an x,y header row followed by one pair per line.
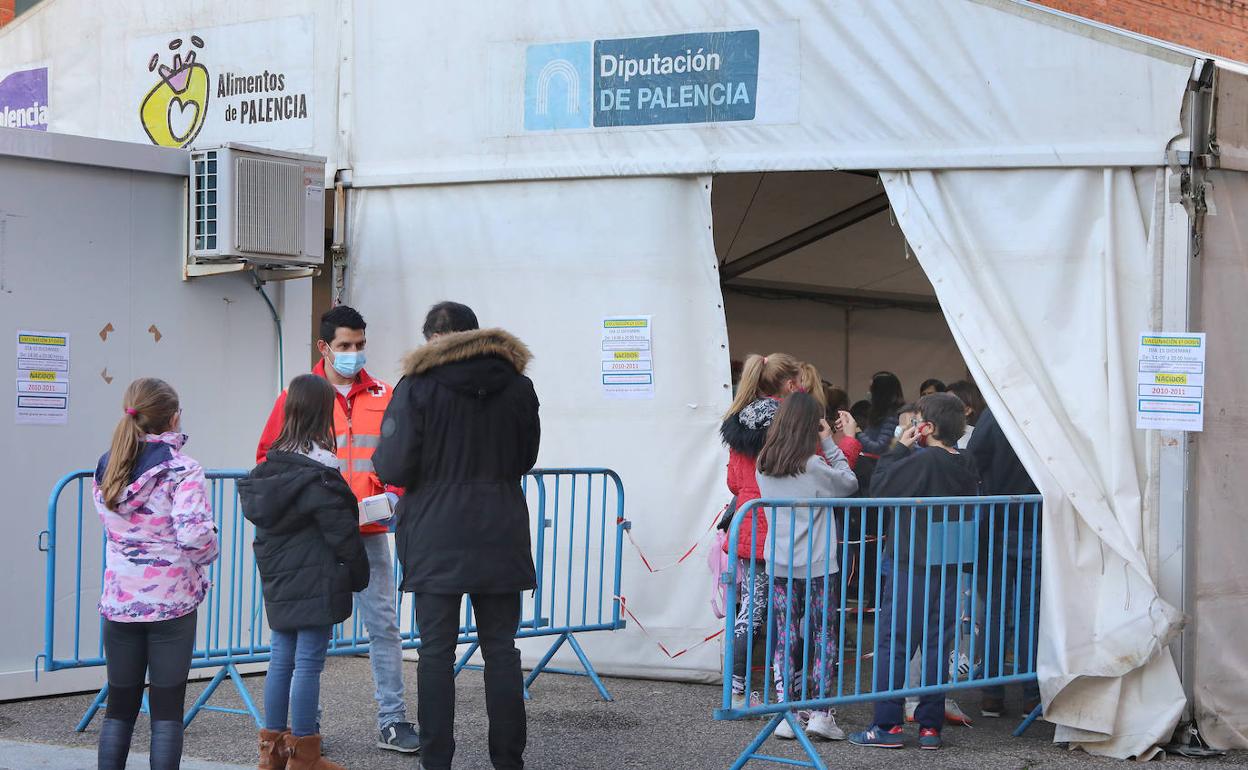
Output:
x,y
1170,388
42,378
627,357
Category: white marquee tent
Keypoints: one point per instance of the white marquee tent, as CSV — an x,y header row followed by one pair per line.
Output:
x,y
1025,159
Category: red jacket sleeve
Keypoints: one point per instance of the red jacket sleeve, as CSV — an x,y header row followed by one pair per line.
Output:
x,y
272,428
852,448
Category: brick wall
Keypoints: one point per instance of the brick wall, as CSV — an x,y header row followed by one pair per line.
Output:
x,y
1217,26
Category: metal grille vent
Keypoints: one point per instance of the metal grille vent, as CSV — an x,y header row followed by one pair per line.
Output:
x,y
205,200
268,207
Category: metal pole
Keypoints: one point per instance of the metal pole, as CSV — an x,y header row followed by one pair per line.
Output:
x,y
1181,268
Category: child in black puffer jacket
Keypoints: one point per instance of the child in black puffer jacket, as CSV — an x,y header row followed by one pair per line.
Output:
x,y
311,559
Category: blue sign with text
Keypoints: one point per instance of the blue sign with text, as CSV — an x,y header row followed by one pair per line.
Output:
x,y
704,77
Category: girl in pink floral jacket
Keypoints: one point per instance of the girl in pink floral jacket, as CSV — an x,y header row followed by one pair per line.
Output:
x,y
153,502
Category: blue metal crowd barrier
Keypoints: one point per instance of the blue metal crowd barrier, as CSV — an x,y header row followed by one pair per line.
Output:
x,y
956,580
577,518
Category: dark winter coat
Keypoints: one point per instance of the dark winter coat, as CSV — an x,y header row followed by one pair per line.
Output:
x,y
1002,473
920,472
459,435
308,546
999,466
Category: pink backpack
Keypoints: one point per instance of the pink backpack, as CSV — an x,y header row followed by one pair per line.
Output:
x,y
717,561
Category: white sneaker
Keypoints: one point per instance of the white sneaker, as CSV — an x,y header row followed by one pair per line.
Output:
x,y
785,731
823,725
954,714
739,701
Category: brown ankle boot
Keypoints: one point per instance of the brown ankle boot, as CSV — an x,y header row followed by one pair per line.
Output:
x,y
273,750
305,754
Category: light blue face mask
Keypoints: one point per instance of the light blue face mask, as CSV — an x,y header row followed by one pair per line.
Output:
x,y
348,364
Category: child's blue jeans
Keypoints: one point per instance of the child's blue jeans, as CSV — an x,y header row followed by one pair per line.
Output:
x,y
292,687
917,608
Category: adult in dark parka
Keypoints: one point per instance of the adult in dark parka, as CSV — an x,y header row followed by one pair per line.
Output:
x,y
459,435
1015,551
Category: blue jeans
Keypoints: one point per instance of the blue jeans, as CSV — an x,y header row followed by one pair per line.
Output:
x,y
915,625
1011,595
381,619
293,685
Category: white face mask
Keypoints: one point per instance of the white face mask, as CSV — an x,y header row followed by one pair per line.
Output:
x,y
897,432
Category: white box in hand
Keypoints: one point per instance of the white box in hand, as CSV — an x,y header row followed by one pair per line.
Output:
x,y
375,508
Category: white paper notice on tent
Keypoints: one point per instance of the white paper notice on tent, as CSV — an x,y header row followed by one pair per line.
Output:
x,y
1170,389
627,357
42,378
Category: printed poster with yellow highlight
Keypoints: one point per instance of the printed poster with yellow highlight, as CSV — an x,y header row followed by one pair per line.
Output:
x,y
627,357
1170,383
42,378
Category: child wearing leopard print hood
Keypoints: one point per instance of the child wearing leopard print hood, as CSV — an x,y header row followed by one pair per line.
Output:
x,y
765,380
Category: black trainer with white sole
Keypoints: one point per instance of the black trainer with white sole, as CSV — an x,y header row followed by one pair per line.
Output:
x,y
401,737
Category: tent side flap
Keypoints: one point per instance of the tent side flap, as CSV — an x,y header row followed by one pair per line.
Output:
x,y
549,261
1221,686
1231,119
1018,294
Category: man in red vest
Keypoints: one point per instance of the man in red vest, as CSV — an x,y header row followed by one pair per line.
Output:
x,y
361,403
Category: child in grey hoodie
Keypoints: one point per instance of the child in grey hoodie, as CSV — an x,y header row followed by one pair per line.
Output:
x,y
799,461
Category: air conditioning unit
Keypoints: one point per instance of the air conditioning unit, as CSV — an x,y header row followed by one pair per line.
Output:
x,y
252,207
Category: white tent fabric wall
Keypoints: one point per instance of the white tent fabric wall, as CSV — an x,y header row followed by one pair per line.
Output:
x,y
570,253
863,84
1221,538
1046,316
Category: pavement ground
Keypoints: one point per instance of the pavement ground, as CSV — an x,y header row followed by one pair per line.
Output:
x,y
650,725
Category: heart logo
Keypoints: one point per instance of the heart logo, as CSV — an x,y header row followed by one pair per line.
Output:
x,y
183,116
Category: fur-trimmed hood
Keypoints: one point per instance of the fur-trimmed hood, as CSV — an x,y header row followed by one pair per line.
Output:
x,y
746,431
462,346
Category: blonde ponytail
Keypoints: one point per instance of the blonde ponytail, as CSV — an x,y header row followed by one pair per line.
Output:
x,y
149,407
763,376
812,383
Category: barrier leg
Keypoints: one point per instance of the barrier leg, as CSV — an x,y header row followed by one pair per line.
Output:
x,y
751,751
1035,714
463,660
541,665
92,709
205,695
815,760
245,694
589,669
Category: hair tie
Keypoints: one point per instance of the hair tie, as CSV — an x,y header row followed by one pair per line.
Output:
x,y
764,360
132,412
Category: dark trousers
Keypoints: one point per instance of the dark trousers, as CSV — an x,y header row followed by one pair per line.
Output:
x,y
1011,595
160,652
497,617
908,598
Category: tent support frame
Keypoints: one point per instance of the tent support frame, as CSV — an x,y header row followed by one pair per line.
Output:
x,y
1180,312
790,243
